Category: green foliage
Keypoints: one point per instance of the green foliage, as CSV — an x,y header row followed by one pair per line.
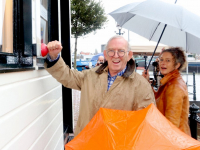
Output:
x,y
86,17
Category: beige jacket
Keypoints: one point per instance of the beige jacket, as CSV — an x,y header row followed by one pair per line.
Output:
x,y
128,92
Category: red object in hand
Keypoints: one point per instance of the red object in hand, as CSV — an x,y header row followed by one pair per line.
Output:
x,y
44,49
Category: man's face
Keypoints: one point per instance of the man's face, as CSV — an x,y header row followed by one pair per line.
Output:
x,y
101,59
116,63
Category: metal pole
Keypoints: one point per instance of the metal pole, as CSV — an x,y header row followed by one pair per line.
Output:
x,y
145,62
193,118
67,102
128,36
119,31
194,87
187,76
187,72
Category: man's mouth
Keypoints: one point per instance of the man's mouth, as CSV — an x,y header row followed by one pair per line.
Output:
x,y
115,61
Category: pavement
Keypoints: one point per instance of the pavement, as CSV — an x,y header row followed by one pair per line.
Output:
x,y
76,103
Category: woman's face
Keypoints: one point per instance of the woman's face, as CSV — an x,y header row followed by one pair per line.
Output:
x,y
167,63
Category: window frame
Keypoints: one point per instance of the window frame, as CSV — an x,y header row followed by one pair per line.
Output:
x,y
21,57
24,50
53,29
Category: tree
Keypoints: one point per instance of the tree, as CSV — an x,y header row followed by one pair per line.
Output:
x,y
86,16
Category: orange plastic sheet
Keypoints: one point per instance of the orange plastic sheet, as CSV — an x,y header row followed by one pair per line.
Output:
x,y
145,129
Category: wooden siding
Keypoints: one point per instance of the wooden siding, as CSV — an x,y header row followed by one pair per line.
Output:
x,y
31,115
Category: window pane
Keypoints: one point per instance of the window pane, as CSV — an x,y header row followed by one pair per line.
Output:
x,y
44,21
6,26
44,3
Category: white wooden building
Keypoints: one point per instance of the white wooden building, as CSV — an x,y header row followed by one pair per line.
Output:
x,y
31,101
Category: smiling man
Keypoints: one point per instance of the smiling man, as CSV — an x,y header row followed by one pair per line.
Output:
x,y
114,84
117,54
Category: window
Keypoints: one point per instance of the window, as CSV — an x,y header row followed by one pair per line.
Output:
x,y
22,30
40,17
6,26
44,21
46,17
15,33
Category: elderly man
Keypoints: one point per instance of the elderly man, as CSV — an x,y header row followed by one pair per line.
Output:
x,y
113,85
100,61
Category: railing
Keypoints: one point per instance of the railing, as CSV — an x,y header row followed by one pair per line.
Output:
x,y
194,120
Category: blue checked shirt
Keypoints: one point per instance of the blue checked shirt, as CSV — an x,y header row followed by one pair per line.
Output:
x,y
112,79
50,60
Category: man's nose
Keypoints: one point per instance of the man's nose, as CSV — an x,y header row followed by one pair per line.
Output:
x,y
116,54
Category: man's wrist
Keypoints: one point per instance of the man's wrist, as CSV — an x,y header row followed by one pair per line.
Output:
x,y
54,57
51,59
50,62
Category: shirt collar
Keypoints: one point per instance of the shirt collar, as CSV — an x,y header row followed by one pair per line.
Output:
x,y
119,74
169,76
129,72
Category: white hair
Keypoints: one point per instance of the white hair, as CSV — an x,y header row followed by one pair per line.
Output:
x,y
118,37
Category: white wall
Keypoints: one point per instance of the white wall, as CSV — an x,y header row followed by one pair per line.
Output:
x,y
30,111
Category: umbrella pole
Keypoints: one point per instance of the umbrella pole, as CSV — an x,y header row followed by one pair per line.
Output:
x,y
145,62
156,46
187,75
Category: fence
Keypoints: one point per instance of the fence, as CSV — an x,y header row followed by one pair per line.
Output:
x,y
194,121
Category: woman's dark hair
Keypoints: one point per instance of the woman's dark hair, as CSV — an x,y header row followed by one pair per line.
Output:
x,y
178,56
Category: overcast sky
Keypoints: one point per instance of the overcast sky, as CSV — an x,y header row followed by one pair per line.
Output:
x,y
94,40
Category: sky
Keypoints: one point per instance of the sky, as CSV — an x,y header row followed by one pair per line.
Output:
x,y
93,41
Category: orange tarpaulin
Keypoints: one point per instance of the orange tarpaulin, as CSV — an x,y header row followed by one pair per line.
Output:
x,y
145,129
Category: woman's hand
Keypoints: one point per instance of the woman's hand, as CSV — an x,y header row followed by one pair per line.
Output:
x,y
145,74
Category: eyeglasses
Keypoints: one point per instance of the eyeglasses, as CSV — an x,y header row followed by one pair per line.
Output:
x,y
120,53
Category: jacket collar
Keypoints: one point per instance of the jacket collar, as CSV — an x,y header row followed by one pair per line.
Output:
x,y
169,76
129,70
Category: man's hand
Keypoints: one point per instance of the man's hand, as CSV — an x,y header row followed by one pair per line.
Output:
x,y
54,48
97,64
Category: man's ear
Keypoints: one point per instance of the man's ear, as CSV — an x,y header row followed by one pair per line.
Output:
x,y
130,55
105,55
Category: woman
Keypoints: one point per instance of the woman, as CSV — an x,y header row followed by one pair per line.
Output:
x,y
172,96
